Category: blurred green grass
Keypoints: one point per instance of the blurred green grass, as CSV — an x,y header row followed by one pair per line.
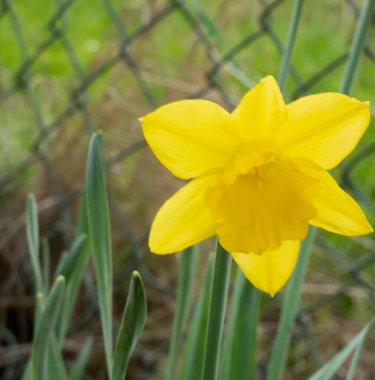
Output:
x,y
167,59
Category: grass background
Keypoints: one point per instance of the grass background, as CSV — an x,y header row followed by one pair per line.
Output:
x,y
41,67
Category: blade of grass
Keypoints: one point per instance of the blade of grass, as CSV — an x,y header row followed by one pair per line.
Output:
x,y
192,364
132,323
357,46
187,271
100,239
78,368
280,347
218,298
231,66
239,349
287,54
45,328
330,368
32,231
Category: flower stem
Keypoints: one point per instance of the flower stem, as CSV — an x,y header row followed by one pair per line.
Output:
x,y
188,266
239,358
357,47
287,55
219,290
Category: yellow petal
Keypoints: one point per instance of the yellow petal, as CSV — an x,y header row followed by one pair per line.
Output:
x,y
183,220
270,271
337,211
324,128
256,211
188,136
260,113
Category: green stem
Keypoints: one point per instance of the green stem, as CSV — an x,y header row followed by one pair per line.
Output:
x,y
219,290
187,272
287,55
290,307
192,360
357,47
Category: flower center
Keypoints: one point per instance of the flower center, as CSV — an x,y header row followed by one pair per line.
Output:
x,y
261,199
253,159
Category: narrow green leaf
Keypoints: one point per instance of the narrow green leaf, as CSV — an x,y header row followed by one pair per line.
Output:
x,y
32,231
330,368
187,272
355,359
46,265
192,364
68,261
39,307
72,266
100,239
287,54
239,349
45,328
78,368
281,345
132,323
218,298
357,46
82,224
55,367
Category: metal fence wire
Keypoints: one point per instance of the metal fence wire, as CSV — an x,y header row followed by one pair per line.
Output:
x,y
71,67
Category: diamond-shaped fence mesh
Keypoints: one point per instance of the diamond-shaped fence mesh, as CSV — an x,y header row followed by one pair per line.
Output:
x,y
71,67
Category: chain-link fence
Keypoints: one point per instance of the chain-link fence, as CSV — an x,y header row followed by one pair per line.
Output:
x,y
71,67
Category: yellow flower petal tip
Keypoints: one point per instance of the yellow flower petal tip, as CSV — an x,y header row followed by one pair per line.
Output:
x,y
258,176
270,271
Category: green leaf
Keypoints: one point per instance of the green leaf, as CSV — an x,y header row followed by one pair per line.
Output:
x,y
132,323
100,239
239,349
69,260
192,363
45,329
32,231
356,344
46,265
72,266
55,367
187,272
78,368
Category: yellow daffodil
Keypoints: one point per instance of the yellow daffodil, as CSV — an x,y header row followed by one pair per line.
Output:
x,y
258,175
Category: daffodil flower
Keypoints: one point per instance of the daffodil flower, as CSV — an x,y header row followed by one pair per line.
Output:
x,y
258,176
